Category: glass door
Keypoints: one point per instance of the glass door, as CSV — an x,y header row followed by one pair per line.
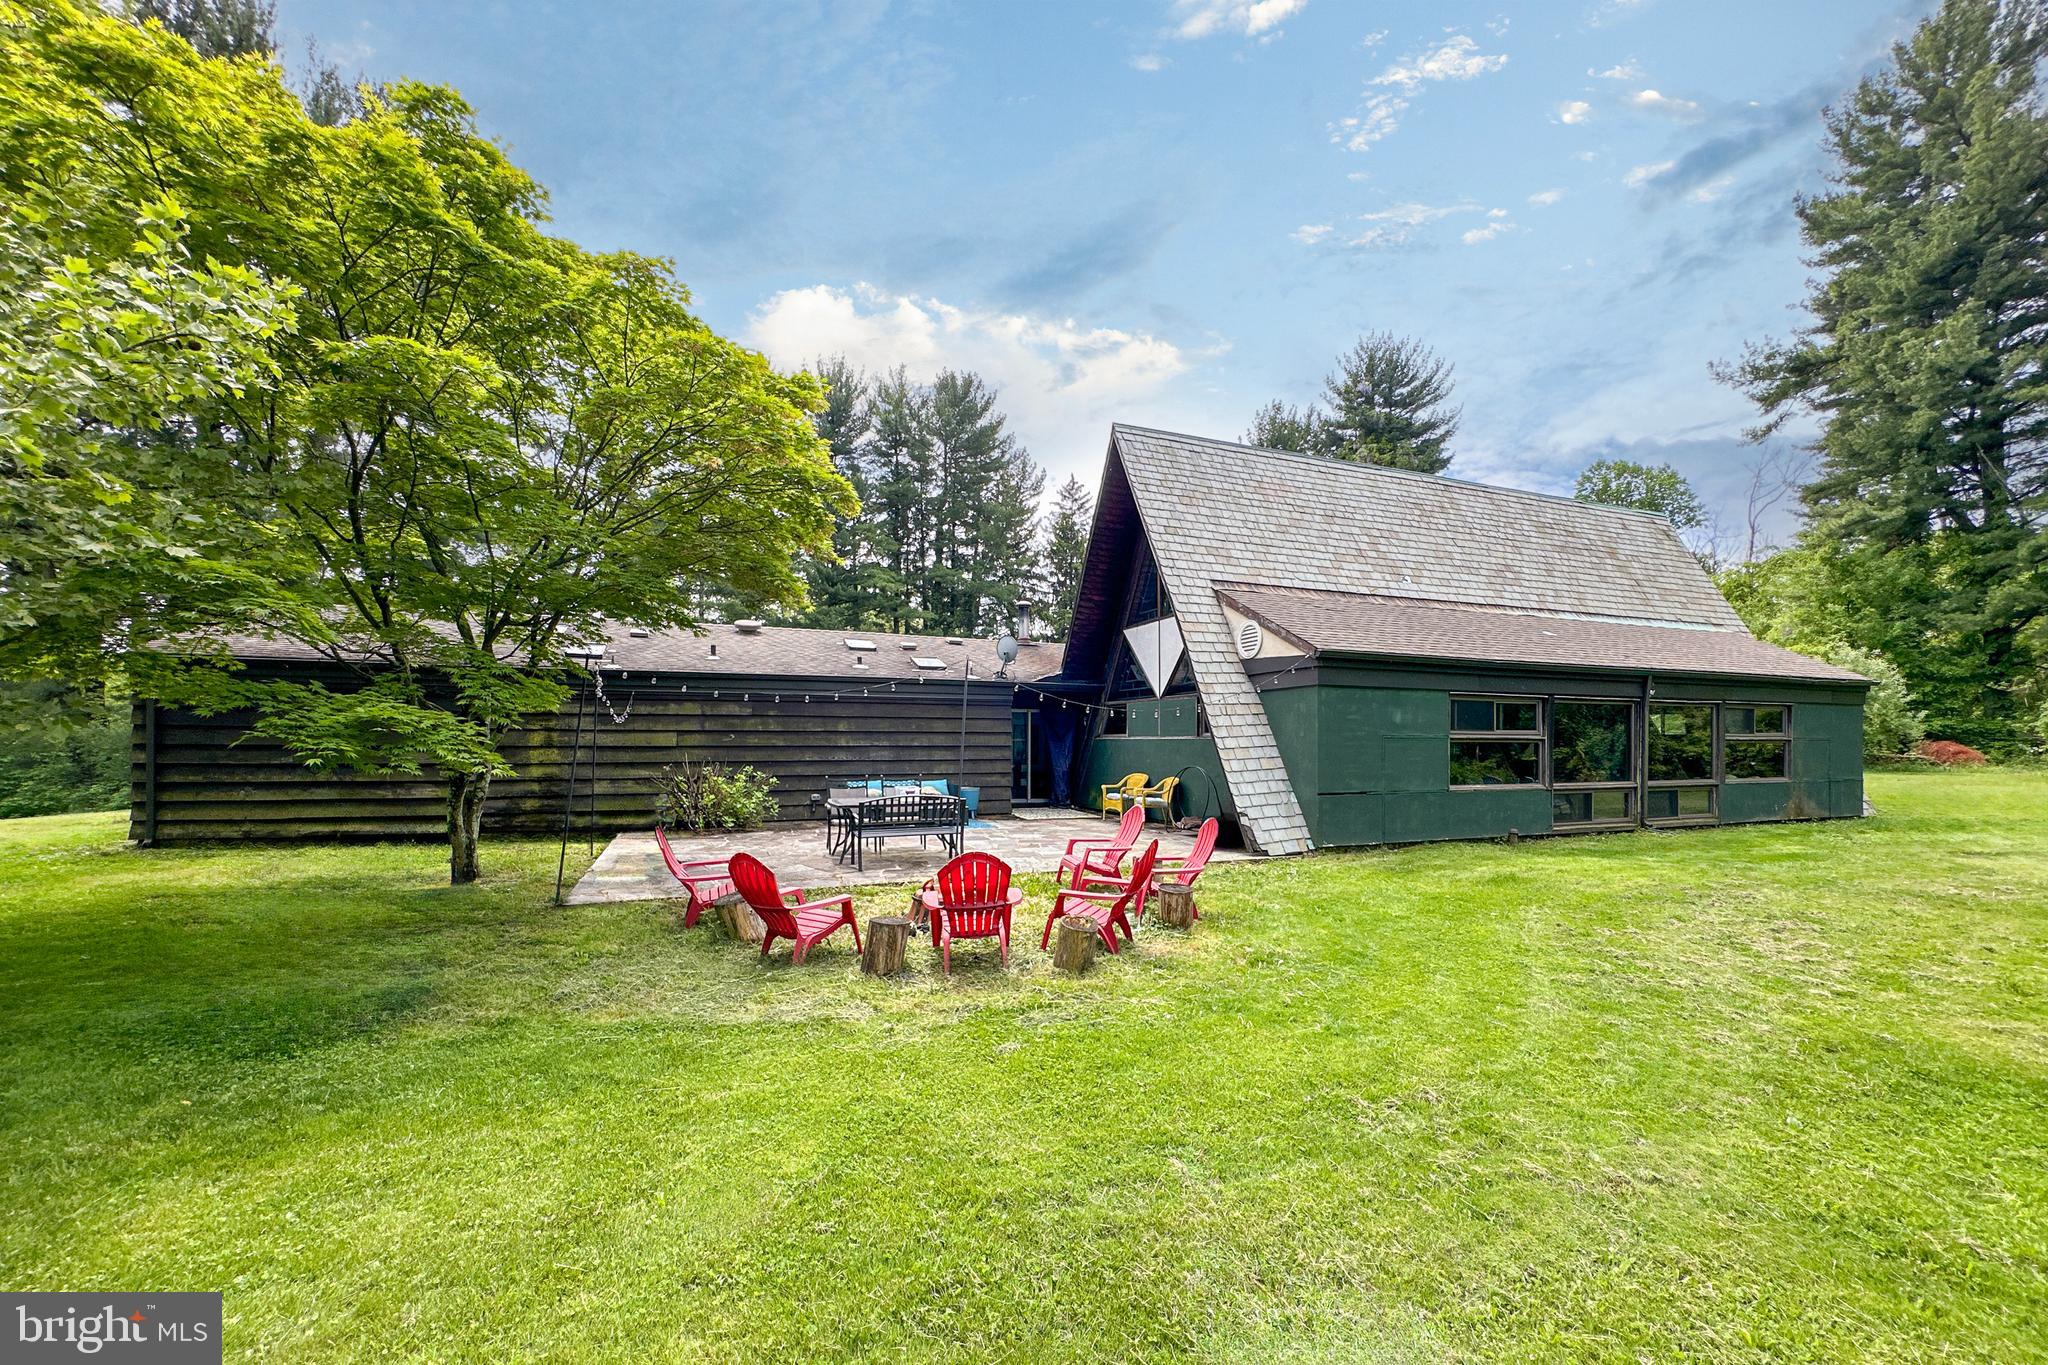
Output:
x,y
1030,760
1592,764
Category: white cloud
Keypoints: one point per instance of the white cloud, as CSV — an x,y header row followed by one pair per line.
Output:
x,y
1377,118
1062,382
1458,58
1396,224
1543,199
1585,156
1574,111
1712,190
1660,103
1149,61
1308,234
1201,18
1497,224
1375,38
1389,94
1629,70
1638,176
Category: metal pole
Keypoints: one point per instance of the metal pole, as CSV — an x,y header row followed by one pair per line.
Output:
x,y
596,736
964,672
569,796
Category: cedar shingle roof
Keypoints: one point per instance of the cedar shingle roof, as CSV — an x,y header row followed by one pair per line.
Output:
x,y
1218,512
770,652
1355,623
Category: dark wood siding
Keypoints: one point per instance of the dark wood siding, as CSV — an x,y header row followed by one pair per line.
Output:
x,y
213,780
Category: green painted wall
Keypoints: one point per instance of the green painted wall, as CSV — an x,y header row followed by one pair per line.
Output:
x,y
1201,795
1368,753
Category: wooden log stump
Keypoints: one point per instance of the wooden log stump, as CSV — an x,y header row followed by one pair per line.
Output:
x,y
887,938
1073,944
740,922
1176,905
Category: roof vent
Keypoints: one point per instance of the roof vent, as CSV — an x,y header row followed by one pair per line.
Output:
x,y
956,642
860,646
860,661
910,646
925,661
747,627
1250,640
639,632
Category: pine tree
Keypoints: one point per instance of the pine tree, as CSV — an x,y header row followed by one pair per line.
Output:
x,y
1387,406
1278,426
1927,361
1066,553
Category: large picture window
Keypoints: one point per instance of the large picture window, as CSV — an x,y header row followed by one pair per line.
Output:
x,y
1592,762
1679,764
1496,742
1756,745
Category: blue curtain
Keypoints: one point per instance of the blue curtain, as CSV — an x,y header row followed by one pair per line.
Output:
x,y
1062,728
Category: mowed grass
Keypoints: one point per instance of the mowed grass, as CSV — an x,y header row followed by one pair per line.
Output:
x,y
1775,1093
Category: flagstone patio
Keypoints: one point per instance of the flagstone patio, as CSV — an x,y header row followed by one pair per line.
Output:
x,y
630,868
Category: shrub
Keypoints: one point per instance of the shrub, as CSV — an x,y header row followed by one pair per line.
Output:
x,y
1950,754
1891,724
701,796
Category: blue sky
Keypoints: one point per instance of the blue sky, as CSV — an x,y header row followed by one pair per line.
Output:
x,y
1169,211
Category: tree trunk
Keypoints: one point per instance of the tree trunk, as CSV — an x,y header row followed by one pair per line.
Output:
x,y
1073,945
466,792
738,919
888,936
1176,905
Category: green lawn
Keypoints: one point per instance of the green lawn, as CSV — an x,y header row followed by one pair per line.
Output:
x,y
1777,1093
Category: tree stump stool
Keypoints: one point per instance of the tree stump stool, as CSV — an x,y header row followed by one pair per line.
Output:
x,y
1073,944
1176,905
888,936
741,924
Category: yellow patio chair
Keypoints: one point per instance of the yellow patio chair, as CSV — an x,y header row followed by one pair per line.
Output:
x,y
1125,791
1159,798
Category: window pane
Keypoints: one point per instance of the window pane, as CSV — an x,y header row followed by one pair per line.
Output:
x,y
1740,719
1681,743
1589,741
1756,758
1678,803
1518,715
1583,808
1767,720
1467,714
1493,763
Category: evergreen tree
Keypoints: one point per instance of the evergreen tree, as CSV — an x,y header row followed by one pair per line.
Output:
x,y
1387,402
1387,406
1066,553
1927,363
248,28
1278,426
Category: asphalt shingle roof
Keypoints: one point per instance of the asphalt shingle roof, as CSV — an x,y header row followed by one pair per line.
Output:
x,y
1354,623
771,652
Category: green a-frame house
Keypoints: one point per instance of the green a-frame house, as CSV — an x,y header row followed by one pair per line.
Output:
x,y
1336,654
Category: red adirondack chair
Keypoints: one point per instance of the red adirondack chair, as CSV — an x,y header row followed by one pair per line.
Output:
x,y
1109,909
1102,855
1181,871
786,914
971,897
704,879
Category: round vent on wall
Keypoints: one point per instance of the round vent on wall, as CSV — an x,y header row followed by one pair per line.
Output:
x,y
1250,639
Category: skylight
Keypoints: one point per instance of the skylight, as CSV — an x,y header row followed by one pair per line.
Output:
x,y
925,661
861,646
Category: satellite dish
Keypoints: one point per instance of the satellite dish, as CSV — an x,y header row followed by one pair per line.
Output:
x,y
1006,650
